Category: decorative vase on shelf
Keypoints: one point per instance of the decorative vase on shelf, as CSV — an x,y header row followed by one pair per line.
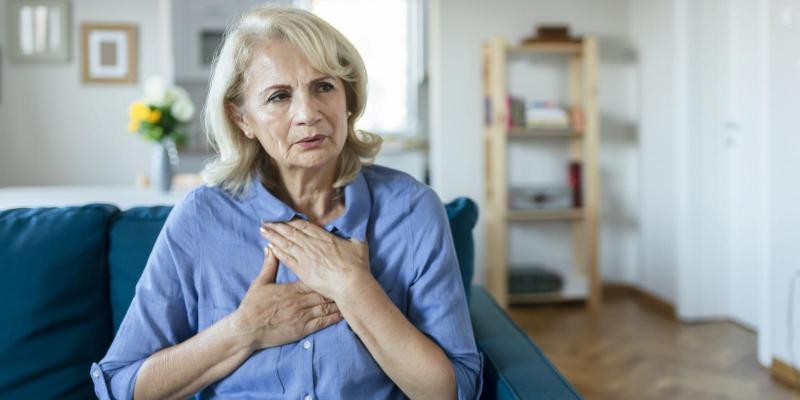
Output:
x,y
165,157
162,116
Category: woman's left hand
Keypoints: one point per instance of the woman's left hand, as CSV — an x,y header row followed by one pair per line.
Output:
x,y
328,264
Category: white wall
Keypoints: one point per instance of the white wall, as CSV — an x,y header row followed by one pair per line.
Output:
x,y
653,32
5,167
55,129
784,169
458,28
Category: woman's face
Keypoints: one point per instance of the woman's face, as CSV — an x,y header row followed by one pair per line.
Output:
x,y
298,114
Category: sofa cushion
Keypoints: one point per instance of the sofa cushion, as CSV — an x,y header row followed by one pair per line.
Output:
x,y
132,236
514,367
56,318
463,214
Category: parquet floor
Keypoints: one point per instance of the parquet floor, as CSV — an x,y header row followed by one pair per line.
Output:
x,y
634,350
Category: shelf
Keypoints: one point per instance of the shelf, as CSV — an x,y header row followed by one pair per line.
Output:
x,y
580,60
543,133
563,48
544,215
537,298
575,289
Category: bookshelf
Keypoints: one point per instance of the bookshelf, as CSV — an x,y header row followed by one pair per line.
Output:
x,y
582,281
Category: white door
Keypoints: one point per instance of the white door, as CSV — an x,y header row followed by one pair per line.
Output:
x,y
725,187
746,144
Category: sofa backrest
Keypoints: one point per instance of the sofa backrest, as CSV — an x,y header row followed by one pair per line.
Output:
x,y
68,275
54,300
131,237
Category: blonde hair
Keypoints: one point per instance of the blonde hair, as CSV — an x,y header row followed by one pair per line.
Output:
x,y
328,51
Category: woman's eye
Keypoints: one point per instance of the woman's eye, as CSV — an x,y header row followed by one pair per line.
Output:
x,y
280,96
325,87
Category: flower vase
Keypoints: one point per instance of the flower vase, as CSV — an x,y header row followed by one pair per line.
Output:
x,y
165,156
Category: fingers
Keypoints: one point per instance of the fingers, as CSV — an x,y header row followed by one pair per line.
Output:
x,y
288,259
277,239
290,232
269,269
318,323
308,228
321,310
311,300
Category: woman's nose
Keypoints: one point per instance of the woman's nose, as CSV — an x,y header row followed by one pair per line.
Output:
x,y
306,109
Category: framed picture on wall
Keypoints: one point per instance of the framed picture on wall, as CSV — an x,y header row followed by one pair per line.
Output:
x,y
38,31
110,53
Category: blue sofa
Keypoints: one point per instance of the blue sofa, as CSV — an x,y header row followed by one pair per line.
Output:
x,y
67,276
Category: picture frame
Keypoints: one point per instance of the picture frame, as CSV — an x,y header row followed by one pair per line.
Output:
x,y
109,53
39,31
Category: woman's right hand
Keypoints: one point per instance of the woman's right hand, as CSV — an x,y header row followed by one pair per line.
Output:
x,y
274,314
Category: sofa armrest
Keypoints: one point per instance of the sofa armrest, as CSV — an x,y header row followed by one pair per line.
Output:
x,y
513,366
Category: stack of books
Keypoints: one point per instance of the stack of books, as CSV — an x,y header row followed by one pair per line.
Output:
x,y
538,114
546,114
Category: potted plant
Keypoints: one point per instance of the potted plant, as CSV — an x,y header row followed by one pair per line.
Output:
x,y
162,116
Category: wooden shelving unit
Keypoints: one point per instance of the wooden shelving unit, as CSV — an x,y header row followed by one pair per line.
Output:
x,y
583,283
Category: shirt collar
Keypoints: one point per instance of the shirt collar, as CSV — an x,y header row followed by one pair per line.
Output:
x,y
352,223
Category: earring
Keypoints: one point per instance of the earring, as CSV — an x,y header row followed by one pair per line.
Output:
x,y
349,113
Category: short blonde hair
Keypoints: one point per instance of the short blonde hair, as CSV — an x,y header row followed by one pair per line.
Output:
x,y
328,51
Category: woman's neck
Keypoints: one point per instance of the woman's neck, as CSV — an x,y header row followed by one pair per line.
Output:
x,y
310,192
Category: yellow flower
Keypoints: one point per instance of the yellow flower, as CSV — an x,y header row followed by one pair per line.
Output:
x,y
138,111
133,126
155,116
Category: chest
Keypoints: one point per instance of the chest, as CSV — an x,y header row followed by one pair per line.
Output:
x,y
232,256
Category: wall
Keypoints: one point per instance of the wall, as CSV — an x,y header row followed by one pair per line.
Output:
x,y
456,107
784,166
5,167
55,129
653,32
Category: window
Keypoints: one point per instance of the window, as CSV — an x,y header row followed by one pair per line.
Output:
x,y
387,34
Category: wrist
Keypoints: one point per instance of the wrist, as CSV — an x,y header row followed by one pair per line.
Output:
x,y
357,287
242,337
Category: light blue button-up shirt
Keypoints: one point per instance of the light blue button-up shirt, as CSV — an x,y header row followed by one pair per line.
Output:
x,y
210,250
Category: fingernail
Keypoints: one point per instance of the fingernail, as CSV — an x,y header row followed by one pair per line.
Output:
x,y
266,250
263,230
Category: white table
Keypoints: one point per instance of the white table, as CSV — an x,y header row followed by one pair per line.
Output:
x,y
123,196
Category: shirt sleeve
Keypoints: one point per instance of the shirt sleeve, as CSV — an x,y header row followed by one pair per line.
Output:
x,y
162,312
437,303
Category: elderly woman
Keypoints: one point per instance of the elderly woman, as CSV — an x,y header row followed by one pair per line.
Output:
x,y
298,271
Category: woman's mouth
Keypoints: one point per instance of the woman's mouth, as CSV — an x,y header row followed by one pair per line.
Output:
x,y
312,141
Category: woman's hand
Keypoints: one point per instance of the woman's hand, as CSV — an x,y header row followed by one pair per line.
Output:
x,y
271,314
325,262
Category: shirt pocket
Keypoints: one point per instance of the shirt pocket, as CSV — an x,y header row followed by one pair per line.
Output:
x,y
257,376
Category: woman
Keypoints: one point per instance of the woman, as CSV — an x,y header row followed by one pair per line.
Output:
x,y
356,293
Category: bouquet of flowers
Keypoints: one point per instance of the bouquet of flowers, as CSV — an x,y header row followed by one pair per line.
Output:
x,y
163,114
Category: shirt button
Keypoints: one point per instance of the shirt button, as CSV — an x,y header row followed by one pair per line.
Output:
x,y
307,345
308,397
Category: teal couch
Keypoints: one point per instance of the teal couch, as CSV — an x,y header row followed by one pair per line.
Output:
x,y
68,274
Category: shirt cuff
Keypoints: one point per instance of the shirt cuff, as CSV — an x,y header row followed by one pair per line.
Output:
x,y
99,379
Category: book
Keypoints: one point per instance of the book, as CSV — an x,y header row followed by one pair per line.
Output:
x,y
576,183
546,114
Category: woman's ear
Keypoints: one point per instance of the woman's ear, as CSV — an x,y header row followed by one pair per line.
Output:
x,y
236,116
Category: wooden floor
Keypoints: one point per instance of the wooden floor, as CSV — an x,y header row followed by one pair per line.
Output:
x,y
634,350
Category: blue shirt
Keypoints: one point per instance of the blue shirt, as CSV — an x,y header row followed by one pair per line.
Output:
x,y
210,250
